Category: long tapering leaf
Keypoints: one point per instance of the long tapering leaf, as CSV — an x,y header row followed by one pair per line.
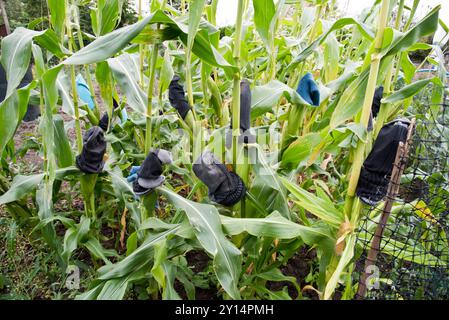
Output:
x,y
57,15
301,149
22,185
16,54
195,12
320,207
275,226
206,223
351,101
108,45
12,110
264,11
126,73
264,97
266,187
108,15
339,24
410,90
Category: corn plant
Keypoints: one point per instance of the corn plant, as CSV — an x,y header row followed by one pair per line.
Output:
x,y
300,174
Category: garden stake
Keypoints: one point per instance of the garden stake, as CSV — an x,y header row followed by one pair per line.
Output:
x,y
393,188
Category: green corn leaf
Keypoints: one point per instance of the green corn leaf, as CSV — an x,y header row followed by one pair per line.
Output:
x,y
39,64
114,281
12,110
160,254
348,74
67,222
46,123
50,41
206,223
104,78
108,45
217,102
195,12
339,24
300,150
149,35
121,186
204,50
264,11
276,275
410,90
426,26
345,258
124,191
142,256
266,187
63,151
272,295
108,15
64,87
419,46
22,185
44,202
16,54
73,236
92,294
322,208
407,67
57,15
264,97
443,25
331,57
113,289
350,101
167,73
275,226
96,249
169,292
126,73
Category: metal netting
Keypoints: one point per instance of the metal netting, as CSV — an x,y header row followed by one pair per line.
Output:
x,y
413,256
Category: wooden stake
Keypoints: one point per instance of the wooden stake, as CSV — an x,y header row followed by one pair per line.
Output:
x,y
393,188
5,17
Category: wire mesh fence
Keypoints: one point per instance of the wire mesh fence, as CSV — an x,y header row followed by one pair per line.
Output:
x,y
413,256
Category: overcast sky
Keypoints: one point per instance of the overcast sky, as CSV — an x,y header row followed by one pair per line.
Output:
x,y
227,10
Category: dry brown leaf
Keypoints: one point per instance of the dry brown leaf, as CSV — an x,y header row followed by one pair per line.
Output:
x,y
343,231
123,231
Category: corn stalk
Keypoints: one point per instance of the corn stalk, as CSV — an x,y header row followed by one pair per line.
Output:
x,y
366,109
383,111
236,85
353,206
87,181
